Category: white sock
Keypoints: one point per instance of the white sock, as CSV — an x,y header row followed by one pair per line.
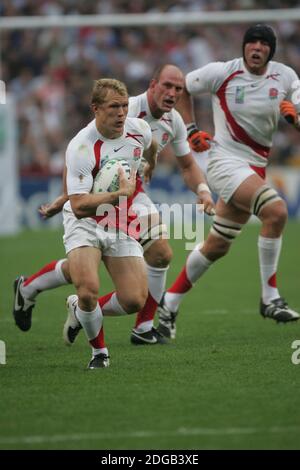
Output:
x,y
49,277
144,326
156,287
99,351
90,321
196,265
113,307
269,251
156,281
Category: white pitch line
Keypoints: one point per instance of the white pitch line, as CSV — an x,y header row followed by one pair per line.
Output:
x,y
147,434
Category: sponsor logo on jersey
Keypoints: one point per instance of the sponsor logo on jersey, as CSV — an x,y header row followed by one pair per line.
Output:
x,y
273,93
240,94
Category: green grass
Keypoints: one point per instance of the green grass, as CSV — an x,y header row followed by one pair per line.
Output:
x,y
226,383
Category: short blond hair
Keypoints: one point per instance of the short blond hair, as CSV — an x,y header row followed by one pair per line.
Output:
x,y
103,85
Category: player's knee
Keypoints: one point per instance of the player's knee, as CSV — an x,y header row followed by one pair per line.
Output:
x,y
275,214
88,295
133,304
66,271
215,248
159,255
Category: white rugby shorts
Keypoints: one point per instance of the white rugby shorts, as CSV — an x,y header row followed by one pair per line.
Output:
x,y
224,175
86,232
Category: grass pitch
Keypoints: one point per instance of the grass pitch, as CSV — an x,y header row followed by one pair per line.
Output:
x,y
227,382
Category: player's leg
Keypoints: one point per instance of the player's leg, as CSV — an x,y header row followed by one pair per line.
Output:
x,y
157,255
256,197
123,258
225,176
124,261
82,243
157,261
130,279
272,211
84,263
129,276
26,289
227,225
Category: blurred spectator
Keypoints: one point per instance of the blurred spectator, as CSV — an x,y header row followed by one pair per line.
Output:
x,y
49,71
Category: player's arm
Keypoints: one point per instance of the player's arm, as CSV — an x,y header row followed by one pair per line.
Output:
x,y
195,180
86,205
199,140
207,79
289,112
53,208
150,155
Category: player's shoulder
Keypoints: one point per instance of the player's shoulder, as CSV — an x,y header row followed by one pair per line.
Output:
x,y
233,65
176,118
282,69
135,105
85,136
137,124
133,100
213,72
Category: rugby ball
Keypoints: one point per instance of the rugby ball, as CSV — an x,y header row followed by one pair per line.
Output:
x,y
107,179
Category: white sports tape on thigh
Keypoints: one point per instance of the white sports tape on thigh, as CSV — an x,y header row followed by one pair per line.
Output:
x,y
150,235
263,197
225,229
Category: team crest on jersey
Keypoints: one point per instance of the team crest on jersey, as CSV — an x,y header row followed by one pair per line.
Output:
x,y
240,94
137,153
273,93
164,138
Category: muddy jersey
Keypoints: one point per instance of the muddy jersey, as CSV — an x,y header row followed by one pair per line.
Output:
x,y
245,106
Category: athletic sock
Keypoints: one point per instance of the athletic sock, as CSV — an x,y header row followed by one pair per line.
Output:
x,y
269,251
101,347
92,325
156,286
110,305
49,277
196,265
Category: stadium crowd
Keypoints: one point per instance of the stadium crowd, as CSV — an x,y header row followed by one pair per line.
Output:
x,y
49,71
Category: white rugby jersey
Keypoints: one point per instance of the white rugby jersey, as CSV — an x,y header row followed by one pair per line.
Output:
x,y
89,150
170,128
245,106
